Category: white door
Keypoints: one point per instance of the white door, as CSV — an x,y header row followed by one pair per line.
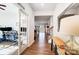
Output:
x,y
22,31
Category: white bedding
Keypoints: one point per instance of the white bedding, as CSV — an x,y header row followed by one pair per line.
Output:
x,y
9,51
8,48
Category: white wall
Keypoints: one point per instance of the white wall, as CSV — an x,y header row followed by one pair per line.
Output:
x,y
42,28
58,10
30,21
41,23
51,21
71,11
9,17
43,13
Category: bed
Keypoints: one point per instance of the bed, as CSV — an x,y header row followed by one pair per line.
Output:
x,y
8,48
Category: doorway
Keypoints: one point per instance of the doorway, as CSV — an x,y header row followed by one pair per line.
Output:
x,y
41,23
40,46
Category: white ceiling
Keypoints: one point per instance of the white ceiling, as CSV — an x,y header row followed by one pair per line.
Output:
x,y
75,6
43,6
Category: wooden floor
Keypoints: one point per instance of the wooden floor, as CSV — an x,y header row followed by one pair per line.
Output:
x,y
39,47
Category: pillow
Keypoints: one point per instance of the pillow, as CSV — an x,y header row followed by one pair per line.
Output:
x,y
72,49
1,34
11,36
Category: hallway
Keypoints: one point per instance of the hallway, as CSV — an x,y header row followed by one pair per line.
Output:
x,y
39,47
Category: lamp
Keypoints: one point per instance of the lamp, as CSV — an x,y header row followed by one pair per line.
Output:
x,y
70,26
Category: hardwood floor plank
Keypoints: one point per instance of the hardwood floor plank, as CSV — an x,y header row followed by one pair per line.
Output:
x,y
39,47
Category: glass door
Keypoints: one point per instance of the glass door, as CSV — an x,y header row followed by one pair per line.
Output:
x,y
22,31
